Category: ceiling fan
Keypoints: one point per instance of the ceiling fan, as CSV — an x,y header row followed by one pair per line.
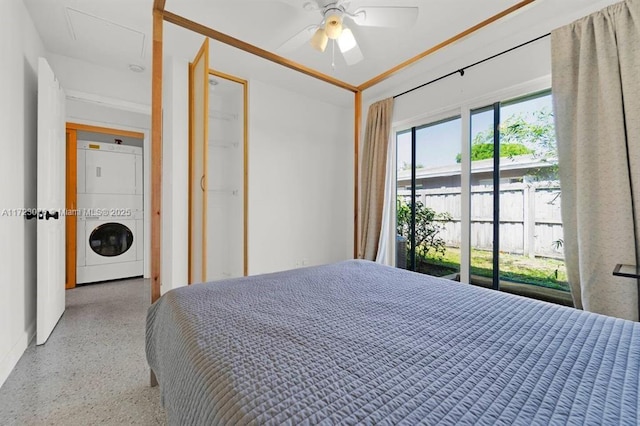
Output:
x,y
334,26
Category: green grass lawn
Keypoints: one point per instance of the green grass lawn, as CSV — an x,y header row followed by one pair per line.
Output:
x,y
538,271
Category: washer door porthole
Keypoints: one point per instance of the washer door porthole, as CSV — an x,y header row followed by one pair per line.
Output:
x,y
111,239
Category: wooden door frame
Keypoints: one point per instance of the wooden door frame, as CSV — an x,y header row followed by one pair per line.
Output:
x,y
245,163
71,179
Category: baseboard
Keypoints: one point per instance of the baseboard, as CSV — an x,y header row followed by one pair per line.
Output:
x,y
9,361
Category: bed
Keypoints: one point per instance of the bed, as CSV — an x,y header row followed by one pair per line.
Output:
x,y
360,343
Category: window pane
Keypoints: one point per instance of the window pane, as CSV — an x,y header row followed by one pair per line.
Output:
x,y
481,267
438,197
530,221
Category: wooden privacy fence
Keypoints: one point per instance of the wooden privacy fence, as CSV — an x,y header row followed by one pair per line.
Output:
x,y
530,221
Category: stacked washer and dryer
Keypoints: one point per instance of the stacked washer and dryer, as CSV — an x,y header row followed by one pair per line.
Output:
x,y
110,212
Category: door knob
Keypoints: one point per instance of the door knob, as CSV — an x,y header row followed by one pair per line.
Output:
x,y
54,215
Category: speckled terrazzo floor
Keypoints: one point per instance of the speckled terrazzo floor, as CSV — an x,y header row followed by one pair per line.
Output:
x,y
92,370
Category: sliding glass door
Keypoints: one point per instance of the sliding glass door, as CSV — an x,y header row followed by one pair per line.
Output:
x,y
513,221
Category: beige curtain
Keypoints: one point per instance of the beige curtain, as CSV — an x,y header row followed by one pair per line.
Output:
x,y
374,163
596,90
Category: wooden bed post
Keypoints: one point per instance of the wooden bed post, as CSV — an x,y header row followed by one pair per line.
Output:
x,y
156,155
356,168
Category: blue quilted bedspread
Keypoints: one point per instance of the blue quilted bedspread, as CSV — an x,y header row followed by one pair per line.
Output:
x,y
359,343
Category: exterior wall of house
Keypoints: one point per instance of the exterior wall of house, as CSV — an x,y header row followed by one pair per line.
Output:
x,y
21,46
454,179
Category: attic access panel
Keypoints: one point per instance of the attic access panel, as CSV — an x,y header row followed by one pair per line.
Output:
x,y
92,33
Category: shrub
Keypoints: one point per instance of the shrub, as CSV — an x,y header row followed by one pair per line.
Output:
x,y
428,226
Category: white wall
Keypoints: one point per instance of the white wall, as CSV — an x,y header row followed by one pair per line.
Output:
x,y
479,84
513,68
300,180
517,68
175,179
20,47
81,110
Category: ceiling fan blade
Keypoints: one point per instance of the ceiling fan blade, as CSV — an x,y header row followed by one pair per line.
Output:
x,y
374,16
298,40
349,47
297,4
293,3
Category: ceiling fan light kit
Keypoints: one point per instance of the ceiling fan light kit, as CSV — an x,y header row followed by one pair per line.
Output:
x,y
333,26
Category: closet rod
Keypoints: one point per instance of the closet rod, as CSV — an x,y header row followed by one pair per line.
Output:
x,y
461,70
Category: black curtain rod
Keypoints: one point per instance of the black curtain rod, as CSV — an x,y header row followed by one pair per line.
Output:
x,y
461,70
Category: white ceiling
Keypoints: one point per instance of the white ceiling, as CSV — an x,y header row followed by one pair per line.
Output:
x,y
117,33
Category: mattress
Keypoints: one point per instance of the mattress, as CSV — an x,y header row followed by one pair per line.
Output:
x,y
360,343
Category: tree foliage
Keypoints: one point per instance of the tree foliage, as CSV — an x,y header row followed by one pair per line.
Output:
x,y
428,226
483,151
519,134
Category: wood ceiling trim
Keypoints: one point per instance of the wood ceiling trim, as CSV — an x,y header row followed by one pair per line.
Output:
x,y
249,48
385,75
105,130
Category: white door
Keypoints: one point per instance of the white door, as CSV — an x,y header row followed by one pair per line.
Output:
x,y
51,202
